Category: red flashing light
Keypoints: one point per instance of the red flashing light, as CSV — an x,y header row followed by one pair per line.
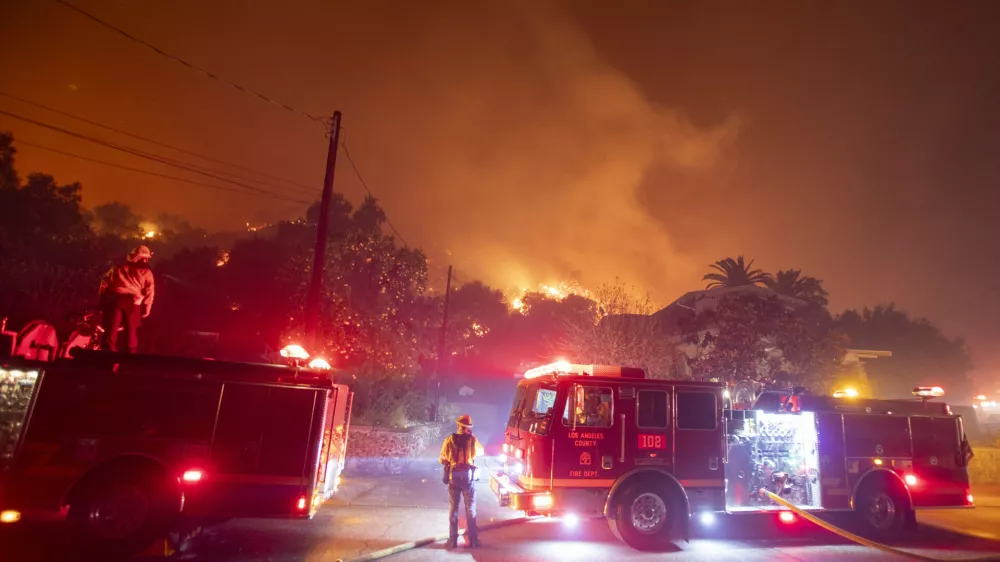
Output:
x,y
193,476
928,391
566,368
319,363
786,517
969,499
542,502
911,480
302,503
554,368
294,351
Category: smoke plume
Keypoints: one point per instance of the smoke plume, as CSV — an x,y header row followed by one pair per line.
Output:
x,y
522,151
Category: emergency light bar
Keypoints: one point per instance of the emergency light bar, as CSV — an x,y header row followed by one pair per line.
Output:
x,y
567,368
928,391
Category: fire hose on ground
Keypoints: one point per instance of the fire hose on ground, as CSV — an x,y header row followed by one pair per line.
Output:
x,y
378,554
870,543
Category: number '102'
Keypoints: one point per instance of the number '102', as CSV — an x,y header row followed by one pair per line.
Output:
x,y
652,442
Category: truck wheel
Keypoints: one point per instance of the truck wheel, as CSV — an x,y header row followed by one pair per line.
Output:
x,y
121,513
647,517
881,510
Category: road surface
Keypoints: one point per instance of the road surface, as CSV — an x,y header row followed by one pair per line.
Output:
x,y
375,510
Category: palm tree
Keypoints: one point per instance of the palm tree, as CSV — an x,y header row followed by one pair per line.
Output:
x,y
791,283
736,273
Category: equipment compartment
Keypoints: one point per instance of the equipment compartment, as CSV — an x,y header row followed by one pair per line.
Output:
x,y
771,452
16,390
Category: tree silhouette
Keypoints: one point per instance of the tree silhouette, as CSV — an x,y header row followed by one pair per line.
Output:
x,y
791,283
117,220
921,354
735,273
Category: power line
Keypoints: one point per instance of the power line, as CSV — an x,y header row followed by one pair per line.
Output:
x,y
369,191
142,154
139,153
156,142
179,60
149,172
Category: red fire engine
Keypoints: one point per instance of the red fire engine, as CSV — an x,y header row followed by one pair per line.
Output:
x,y
591,440
124,445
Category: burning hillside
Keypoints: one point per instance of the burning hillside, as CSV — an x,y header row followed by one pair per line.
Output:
x,y
560,291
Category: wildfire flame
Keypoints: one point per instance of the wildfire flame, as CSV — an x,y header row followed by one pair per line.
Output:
x,y
558,292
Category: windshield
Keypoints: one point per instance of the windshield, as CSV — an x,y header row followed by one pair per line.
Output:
x,y
516,407
545,399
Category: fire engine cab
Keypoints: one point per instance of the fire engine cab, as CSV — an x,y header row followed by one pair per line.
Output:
x,y
124,445
647,454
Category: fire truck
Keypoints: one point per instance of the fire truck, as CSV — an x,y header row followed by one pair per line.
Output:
x,y
651,456
125,446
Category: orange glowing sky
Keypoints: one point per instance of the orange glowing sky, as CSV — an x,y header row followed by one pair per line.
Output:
x,y
530,141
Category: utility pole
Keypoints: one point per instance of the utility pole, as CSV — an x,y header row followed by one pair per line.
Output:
x,y
322,228
441,349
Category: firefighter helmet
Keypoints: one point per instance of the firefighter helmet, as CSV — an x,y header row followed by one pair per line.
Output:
x,y
464,420
140,253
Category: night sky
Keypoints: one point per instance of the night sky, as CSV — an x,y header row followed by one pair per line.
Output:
x,y
538,141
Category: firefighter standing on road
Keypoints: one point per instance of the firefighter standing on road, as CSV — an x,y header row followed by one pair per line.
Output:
x,y
458,455
126,296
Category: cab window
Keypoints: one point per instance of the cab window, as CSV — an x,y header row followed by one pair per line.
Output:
x,y
653,411
589,406
697,410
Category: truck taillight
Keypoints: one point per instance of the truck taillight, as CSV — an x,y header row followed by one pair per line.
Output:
x,y
10,516
969,500
518,454
786,517
193,476
303,502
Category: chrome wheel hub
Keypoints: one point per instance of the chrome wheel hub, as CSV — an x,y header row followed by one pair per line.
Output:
x,y
649,513
881,511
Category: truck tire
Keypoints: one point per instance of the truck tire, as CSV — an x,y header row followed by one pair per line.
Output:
x,y
647,517
123,512
881,509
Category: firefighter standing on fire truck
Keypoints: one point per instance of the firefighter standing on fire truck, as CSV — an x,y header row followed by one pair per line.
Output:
x,y
126,296
458,456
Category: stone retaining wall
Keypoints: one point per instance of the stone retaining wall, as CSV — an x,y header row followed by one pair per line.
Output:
x,y
382,442
984,469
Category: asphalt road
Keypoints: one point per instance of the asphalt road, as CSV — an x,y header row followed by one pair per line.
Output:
x,y
375,510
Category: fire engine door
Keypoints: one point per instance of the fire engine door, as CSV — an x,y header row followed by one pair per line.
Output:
x,y
698,438
587,438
